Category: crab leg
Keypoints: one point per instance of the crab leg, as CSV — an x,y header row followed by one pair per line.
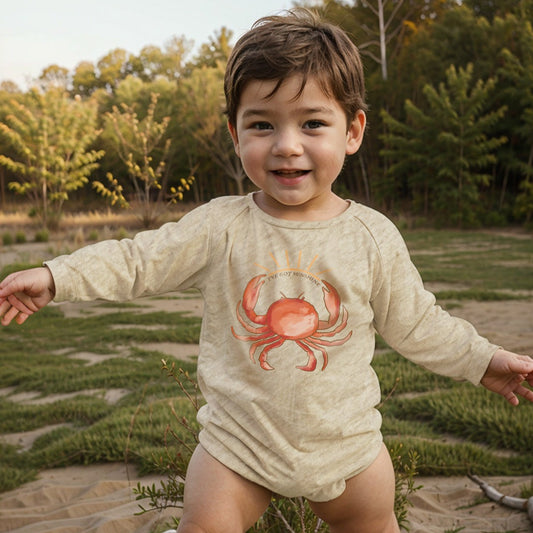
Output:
x,y
340,327
322,342
252,337
262,358
263,339
311,361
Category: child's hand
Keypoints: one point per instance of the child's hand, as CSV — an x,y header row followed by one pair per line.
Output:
x,y
23,293
506,374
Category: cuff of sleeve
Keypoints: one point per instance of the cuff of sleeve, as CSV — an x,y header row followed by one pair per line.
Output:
x,y
58,270
476,379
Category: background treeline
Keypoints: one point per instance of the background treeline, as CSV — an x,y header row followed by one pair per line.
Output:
x,y
450,136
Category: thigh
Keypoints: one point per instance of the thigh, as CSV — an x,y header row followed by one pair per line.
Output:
x,y
219,500
367,504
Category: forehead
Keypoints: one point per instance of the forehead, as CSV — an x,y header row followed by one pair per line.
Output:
x,y
292,92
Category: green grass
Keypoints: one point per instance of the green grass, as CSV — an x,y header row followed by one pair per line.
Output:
x,y
34,358
478,260
453,427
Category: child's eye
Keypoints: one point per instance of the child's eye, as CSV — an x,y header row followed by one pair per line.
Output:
x,y
261,126
313,124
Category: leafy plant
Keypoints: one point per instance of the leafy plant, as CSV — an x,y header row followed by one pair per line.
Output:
x,y
137,142
446,150
51,135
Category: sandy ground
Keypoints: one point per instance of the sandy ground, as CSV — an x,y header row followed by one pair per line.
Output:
x,y
100,498
77,499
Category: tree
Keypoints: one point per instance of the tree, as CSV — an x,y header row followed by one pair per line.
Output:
x,y
137,143
216,51
202,100
449,148
493,8
377,25
517,81
10,87
385,30
152,62
84,79
112,68
54,76
50,134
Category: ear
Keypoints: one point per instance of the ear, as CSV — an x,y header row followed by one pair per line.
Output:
x,y
356,131
233,132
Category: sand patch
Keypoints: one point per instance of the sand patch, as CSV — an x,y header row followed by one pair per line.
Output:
x,y
96,499
507,323
111,396
191,304
450,503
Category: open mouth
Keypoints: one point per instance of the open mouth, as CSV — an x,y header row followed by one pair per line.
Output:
x,y
290,174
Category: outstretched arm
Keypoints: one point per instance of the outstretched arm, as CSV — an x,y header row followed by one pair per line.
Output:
x,y
506,375
25,292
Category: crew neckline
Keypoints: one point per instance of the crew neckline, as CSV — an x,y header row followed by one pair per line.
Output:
x,y
299,223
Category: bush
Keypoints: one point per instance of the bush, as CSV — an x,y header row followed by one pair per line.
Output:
x,y
42,236
7,239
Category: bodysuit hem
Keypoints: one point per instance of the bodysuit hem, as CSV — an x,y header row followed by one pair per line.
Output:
x,y
330,490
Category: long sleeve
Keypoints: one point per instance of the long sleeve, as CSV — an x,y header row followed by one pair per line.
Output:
x,y
153,262
408,318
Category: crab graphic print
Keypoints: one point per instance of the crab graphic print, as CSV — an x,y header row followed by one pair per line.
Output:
x,y
301,308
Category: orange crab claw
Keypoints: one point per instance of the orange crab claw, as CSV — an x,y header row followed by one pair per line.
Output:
x,y
250,297
332,302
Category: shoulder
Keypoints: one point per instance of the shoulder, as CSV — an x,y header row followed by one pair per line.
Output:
x,y
219,212
380,228
228,205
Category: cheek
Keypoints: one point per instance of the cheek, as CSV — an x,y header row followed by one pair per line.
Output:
x,y
331,156
252,153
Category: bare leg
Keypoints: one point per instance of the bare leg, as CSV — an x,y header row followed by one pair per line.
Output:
x,y
367,504
217,500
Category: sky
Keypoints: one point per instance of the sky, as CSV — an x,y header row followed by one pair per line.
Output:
x,y
35,34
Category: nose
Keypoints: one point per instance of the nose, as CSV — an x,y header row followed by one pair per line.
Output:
x,y
287,143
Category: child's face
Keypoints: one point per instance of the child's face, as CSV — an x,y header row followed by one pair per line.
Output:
x,y
292,148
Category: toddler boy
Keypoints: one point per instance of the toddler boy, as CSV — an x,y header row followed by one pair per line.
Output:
x,y
296,282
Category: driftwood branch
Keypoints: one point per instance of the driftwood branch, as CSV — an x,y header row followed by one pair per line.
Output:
x,y
508,501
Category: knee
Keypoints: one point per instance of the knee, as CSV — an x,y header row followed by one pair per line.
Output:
x,y
186,526
220,526
381,525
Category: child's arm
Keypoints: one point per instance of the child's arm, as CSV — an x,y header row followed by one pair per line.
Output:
x,y
25,292
506,374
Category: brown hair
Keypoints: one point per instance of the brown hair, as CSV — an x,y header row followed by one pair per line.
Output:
x,y
298,43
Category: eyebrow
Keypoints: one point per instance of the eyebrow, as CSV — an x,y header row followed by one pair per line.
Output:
x,y
302,110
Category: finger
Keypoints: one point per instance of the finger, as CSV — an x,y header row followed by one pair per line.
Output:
x,y
21,318
525,393
8,285
19,304
9,316
4,306
521,365
511,398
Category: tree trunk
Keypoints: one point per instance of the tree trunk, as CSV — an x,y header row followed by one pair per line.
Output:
x,y
2,188
382,40
504,187
44,215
